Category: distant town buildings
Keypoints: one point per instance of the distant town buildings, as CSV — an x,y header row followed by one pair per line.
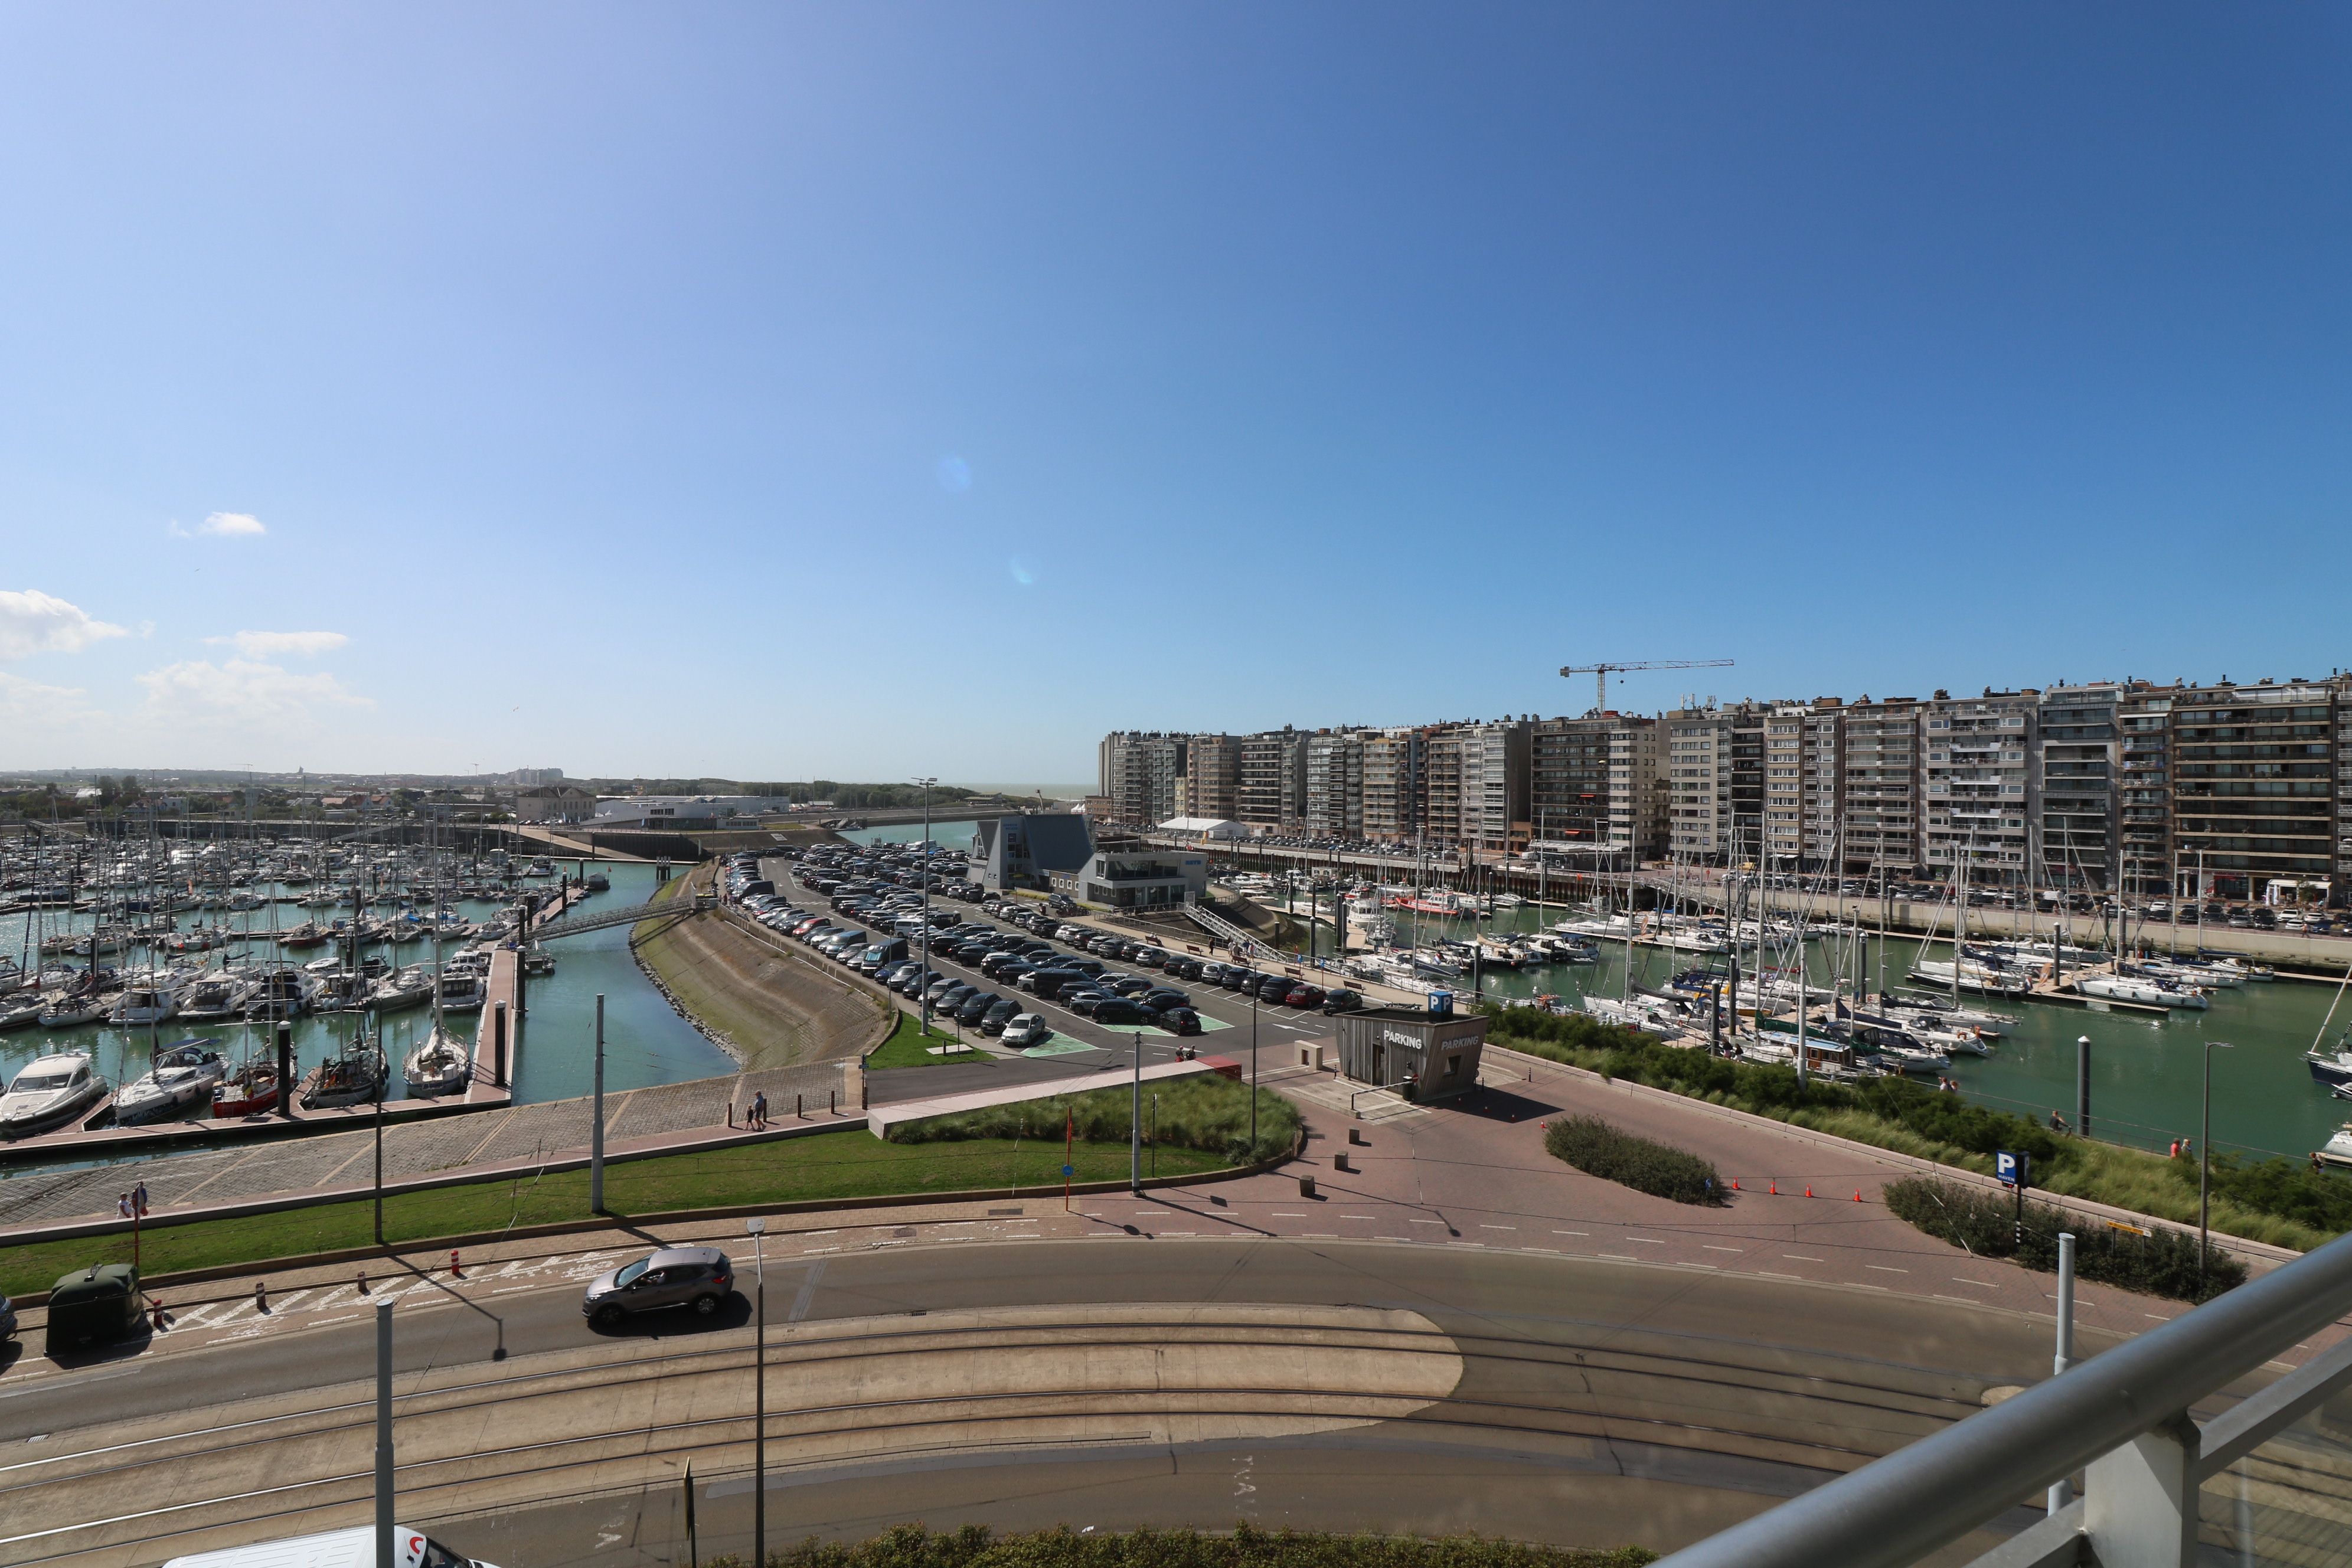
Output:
x,y
2101,787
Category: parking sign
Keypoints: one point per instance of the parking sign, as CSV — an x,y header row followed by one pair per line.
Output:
x,y
2010,1169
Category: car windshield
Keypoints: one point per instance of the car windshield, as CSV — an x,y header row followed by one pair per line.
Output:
x,y
630,1275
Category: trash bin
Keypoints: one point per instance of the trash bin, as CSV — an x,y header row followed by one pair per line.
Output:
x,y
100,1303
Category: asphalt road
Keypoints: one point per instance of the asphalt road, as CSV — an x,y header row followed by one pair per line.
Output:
x,y
1599,1403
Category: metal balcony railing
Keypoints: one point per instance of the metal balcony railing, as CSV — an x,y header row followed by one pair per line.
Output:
x,y
2122,1417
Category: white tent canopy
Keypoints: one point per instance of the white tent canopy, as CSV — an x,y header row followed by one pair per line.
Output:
x,y
1205,827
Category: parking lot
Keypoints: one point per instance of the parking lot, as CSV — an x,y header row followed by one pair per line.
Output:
x,y
850,903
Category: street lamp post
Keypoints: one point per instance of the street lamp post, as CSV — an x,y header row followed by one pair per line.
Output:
x,y
1135,1125
926,997
758,1225
1252,1073
2205,1158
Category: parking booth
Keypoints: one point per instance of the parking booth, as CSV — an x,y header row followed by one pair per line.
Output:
x,y
1424,1053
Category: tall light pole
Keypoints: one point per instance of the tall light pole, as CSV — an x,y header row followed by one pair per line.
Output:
x,y
384,1523
926,965
1135,1126
1252,1074
2205,1158
758,1225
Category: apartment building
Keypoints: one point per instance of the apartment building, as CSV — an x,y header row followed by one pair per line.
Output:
x,y
1978,783
1475,785
1394,764
2078,756
2144,788
1784,786
1698,786
1822,812
1139,774
1881,784
1747,722
1270,786
1335,784
1213,770
2254,786
1600,780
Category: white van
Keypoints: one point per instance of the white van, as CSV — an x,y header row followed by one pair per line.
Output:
x,y
353,1548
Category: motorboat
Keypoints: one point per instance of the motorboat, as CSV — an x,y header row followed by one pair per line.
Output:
x,y
12,974
463,991
283,992
49,1093
599,883
182,1077
412,987
250,1090
150,1003
310,933
2332,1068
22,1013
538,961
212,999
352,1078
442,1065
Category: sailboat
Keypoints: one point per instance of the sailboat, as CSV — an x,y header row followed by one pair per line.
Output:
x,y
353,1076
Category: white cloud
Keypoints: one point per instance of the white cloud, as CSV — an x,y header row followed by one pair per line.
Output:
x,y
33,622
242,690
235,524
30,705
267,644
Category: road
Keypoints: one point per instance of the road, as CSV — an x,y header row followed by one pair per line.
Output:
x,y
1331,1386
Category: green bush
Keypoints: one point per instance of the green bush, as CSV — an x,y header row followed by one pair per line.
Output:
x,y
1596,1149
1200,1110
2274,1186
912,1546
1986,1224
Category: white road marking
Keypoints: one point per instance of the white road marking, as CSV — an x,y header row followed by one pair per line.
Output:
x,y
1712,1247
1887,1268
1801,1257
1644,1241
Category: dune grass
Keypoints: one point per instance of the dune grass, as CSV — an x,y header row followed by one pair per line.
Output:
x,y
908,1047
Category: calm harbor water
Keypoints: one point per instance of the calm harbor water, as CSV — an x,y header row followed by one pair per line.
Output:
x,y
945,834
2146,1071
645,1041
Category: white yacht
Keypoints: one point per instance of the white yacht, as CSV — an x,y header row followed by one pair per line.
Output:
x,y
148,1003
2138,988
50,1092
463,991
412,987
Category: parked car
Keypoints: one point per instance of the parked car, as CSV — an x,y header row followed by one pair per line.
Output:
x,y
1178,1020
1027,1030
998,1016
696,1277
1127,985
1304,995
1164,996
1343,1000
1114,1010
974,1007
1274,987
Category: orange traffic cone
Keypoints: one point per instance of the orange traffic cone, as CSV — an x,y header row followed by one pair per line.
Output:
x,y
1735,1184
454,1272
1776,1186
1809,1191
1857,1194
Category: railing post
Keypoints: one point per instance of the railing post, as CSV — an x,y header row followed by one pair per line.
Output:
x,y
2140,1503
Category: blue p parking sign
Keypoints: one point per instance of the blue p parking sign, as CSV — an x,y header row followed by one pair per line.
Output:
x,y
2011,1169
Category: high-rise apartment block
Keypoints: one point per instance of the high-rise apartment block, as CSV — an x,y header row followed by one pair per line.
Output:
x,y
2098,787
1212,770
1138,773
1270,789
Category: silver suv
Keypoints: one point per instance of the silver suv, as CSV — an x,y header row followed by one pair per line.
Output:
x,y
697,1277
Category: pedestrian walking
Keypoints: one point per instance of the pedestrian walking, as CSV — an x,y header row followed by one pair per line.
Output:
x,y
2176,1148
139,1200
122,1206
760,1110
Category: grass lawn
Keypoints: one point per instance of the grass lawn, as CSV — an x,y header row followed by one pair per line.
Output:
x,y
835,1166
907,1046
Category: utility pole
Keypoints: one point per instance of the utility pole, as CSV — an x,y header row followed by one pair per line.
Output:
x,y
383,1521
596,1129
926,998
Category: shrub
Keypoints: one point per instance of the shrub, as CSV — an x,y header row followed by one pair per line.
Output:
x,y
1986,1224
1596,1149
1201,1110
912,1546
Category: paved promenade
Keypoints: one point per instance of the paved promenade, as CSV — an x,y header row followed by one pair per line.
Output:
x,y
486,1141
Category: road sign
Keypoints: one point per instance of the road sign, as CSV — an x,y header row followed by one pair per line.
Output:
x,y
1069,1169
2012,1170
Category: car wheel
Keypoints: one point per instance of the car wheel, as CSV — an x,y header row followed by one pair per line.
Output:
x,y
705,1305
609,1316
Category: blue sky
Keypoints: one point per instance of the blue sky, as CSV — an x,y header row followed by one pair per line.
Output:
x,y
860,391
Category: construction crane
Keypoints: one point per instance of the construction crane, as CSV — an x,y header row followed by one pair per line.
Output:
x,y
1600,672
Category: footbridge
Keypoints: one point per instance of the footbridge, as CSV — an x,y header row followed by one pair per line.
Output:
x,y
621,915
